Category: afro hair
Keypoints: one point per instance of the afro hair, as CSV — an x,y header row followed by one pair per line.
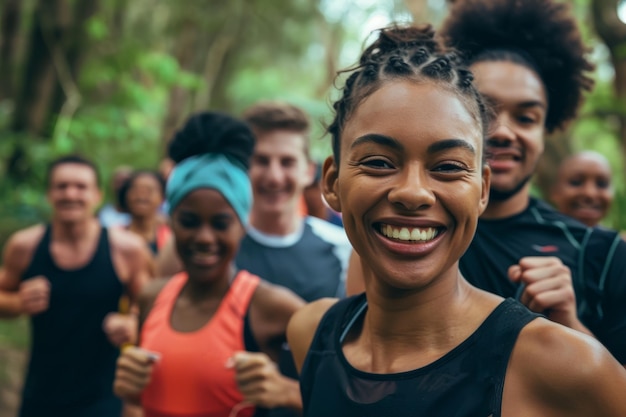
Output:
x,y
542,32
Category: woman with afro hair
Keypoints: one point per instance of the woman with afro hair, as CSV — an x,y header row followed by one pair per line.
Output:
x,y
530,63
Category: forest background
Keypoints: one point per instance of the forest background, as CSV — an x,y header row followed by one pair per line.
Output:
x,y
113,79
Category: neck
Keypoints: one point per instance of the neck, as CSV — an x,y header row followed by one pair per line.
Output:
x,y
280,224
74,231
197,290
144,226
388,311
500,209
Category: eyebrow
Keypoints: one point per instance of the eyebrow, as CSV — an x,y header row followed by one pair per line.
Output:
x,y
439,146
446,144
492,102
378,139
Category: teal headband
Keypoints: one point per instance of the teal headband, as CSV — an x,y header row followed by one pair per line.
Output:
x,y
215,171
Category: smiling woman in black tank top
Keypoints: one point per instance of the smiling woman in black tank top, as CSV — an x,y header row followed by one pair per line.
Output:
x,y
408,174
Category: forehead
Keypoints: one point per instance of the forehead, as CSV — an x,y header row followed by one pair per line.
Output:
x,y
406,109
508,83
585,165
145,180
72,172
281,143
205,202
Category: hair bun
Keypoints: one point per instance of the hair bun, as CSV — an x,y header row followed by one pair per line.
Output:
x,y
213,132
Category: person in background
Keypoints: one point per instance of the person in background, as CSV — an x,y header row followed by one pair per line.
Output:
x,y
216,329
307,255
111,214
583,188
316,206
409,175
69,277
141,196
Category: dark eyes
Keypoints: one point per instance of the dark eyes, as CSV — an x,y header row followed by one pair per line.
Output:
x,y
580,182
377,164
450,168
445,167
192,222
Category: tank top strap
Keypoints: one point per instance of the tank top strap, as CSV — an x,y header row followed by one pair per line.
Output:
x,y
103,251
170,291
241,291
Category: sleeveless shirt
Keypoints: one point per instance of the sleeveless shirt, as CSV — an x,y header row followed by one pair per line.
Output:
x,y
466,382
72,363
191,379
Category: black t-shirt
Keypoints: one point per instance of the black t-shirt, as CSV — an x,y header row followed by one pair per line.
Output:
x,y
595,256
467,381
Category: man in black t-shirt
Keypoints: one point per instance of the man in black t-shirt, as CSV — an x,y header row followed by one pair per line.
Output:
x,y
531,65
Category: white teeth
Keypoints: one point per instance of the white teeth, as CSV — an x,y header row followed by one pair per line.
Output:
x,y
404,234
409,233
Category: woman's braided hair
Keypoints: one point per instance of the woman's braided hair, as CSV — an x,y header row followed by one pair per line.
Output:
x,y
404,52
539,34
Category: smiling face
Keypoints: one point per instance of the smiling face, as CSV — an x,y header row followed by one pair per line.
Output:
x,y
410,182
279,172
207,233
583,188
516,141
144,196
73,192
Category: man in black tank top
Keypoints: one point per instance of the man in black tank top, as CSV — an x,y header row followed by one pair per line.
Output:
x,y
70,276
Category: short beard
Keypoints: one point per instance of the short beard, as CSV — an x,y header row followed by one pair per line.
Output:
x,y
503,195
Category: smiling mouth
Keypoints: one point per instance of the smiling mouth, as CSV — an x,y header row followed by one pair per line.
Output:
x,y
408,234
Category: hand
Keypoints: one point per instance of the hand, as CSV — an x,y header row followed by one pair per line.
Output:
x,y
133,372
34,295
548,288
120,328
260,381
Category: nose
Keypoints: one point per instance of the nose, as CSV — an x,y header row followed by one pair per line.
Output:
x,y
412,190
501,132
205,235
589,190
274,172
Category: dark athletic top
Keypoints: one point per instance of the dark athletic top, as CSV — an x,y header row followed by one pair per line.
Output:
x,y
595,256
72,363
466,382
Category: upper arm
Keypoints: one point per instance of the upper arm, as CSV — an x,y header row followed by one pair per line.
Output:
x,y
16,257
147,296
142,270
133,260
272,307
167,261
572,374
302,327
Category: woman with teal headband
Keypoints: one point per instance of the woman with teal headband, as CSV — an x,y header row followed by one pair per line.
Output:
x,y
211,335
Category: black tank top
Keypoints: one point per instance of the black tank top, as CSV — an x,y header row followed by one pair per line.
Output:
x,y
466,382
72,362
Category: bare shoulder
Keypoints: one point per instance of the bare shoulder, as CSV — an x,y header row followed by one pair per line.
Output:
x,y
26,240
303,325
125,241
18,254
21,245
570,371
270,299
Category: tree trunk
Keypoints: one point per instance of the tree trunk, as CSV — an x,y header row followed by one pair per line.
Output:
x,y
9,35
612,31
